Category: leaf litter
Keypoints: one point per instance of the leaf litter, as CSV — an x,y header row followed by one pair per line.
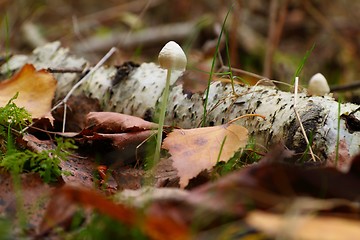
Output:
x,y
269,189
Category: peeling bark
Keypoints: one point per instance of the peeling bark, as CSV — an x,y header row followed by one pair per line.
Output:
x,y
136,90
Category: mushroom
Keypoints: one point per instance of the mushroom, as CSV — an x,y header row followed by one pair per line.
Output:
x,y
171,57
318,86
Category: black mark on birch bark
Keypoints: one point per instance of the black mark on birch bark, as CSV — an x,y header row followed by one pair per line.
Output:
x,y
123,71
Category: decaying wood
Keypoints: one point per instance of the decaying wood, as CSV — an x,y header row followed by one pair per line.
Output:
x,y
135,90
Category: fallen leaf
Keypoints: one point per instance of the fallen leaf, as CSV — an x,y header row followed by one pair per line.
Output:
x,y
118,148
80,171
268,184
166,224
122,140
111,122
304,226
36,90
63,204
158,224
194,150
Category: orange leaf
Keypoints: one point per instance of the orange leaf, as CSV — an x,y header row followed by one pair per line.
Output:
x,y
36,90
194,150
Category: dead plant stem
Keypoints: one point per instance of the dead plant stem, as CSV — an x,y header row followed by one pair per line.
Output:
x,y
299,119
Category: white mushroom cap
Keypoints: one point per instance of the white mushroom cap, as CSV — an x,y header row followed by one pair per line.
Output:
x,y
172,57
318,85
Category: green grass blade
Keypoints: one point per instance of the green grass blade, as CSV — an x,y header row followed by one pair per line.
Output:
x,y
221,149
302,63
212,69
229,61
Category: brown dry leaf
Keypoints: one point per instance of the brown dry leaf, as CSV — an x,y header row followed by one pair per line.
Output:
x,y
122,140
36,90
111,122
117,136
194,150
304,226
120,148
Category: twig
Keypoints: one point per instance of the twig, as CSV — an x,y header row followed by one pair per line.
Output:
x,y
347,87
225,68
246,115
64,70
298,118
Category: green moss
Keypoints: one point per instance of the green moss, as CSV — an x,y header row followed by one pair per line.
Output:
x,y
15,160
13,116
46,163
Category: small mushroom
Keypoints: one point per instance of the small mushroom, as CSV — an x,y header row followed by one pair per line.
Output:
x,y
171,57
318,85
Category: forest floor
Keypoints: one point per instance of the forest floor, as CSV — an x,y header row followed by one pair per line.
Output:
x,y
98,179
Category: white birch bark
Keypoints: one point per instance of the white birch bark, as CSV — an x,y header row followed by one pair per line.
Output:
x,y
138,91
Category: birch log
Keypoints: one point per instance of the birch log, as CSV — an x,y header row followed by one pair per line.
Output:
x,y
136,90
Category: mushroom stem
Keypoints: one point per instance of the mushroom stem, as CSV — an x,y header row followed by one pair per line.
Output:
x,y
162,117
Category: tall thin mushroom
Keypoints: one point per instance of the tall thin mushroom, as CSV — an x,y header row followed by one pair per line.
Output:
x,y
171,57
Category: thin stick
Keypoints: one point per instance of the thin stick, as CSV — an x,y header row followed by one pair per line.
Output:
x,y
348,87
64,118
247,115
254,75
64,70
97,66
298,118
